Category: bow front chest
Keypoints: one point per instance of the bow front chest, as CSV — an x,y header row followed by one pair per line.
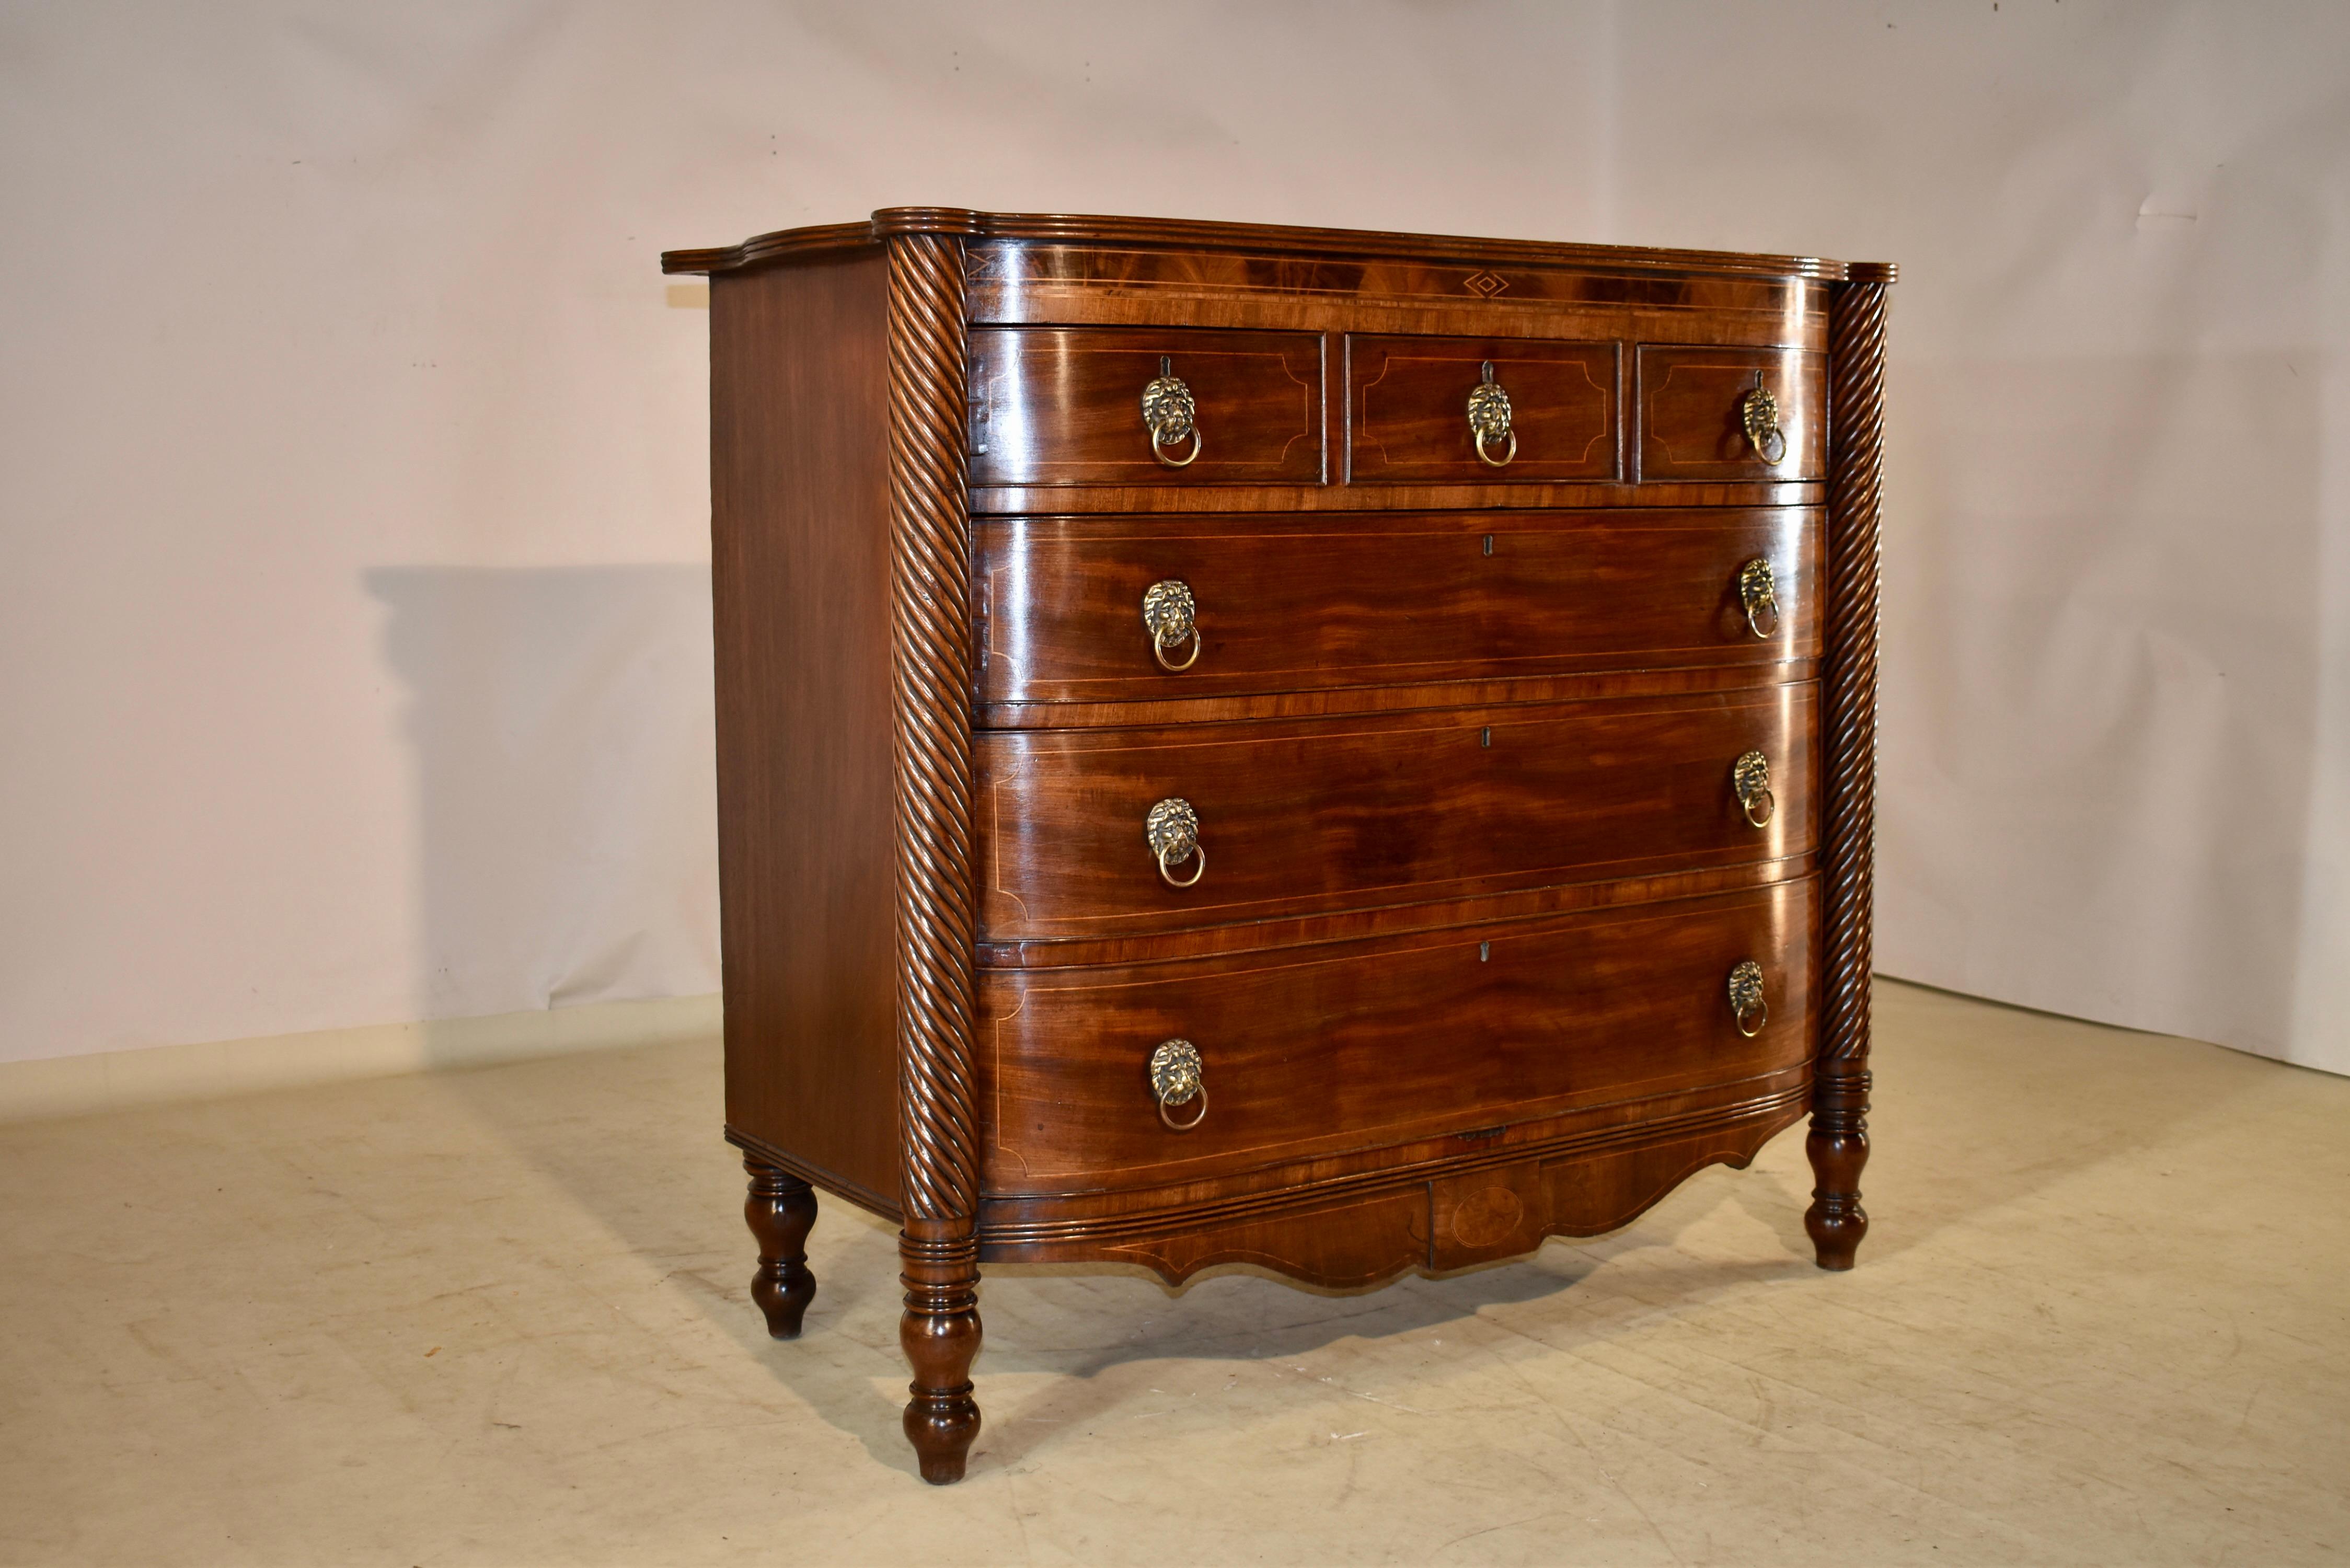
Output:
x,y
1350,753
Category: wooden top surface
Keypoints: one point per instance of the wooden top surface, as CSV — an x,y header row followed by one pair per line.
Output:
x,y
1189,234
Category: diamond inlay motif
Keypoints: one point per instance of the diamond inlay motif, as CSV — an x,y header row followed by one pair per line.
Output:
x,y
1485,285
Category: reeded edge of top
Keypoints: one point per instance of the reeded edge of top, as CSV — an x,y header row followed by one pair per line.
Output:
x,y
1190,234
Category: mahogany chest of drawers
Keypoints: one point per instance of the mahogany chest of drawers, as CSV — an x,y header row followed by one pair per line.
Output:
x,y
1347,752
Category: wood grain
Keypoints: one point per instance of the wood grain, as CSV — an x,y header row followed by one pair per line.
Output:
x,y
1302,817
799,495
1689,401
1407,401
1388,600
1358,1236
1234,500
1055,406
1460,737
1349,1047
1278,238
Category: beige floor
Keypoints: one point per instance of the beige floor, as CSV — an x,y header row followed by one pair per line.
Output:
x,y
499,1317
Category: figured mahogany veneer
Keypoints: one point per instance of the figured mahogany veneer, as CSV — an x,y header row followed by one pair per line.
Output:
x,y
1060,406
1406,395
1439,804
1320,1050
1383,600
1492,939
1689,406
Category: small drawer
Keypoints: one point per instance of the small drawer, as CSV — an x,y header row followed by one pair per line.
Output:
x,y
1311,1051
1118,609
1418,405
1725,414
1306,816
1179,406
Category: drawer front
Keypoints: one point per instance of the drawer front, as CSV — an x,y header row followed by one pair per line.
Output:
x,y
1305,603
1065,405
1316,1051
1694,404
1302,817
1548,410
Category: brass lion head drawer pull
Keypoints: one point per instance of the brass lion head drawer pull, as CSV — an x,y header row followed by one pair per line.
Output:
x,y
1172,830
1746,998
1176,1080
1489,420
1171,416
1758,590
1759,412
1750,775
1168,608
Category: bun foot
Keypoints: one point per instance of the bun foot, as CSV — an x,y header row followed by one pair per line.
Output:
x,y
781,1211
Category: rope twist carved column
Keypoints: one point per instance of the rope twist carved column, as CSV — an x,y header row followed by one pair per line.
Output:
x,y
1838,1143
930,550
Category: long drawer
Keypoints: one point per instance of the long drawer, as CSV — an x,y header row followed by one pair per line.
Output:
x,y
1304,602
1296,817
1317,1051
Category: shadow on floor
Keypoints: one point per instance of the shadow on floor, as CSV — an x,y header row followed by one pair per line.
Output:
x,y
521,672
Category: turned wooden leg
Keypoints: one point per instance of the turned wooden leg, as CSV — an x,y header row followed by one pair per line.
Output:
x,y
1838,1147
781,1210
940,1332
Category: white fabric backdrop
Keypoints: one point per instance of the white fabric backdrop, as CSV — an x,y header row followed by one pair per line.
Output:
x,y
353,644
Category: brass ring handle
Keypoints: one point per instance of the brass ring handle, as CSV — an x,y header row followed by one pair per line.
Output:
x,y
1505,459
1159,645
1758,591
1197,1117
1169,415
1177,1078
1750,775
1758,412
1171,829
1168,611
1489,420
1168,876
1159,451
1746,998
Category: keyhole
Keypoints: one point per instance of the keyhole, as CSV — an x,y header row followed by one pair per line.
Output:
x,y
1489,544
1484,951
1167,367
1486,737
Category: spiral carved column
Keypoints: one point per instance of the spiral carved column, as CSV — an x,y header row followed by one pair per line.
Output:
x,y
930,552
1838,1143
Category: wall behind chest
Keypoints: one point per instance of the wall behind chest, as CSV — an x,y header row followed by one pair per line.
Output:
x,y
353,634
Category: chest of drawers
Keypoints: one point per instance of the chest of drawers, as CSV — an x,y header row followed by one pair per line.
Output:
x,y
1350,753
